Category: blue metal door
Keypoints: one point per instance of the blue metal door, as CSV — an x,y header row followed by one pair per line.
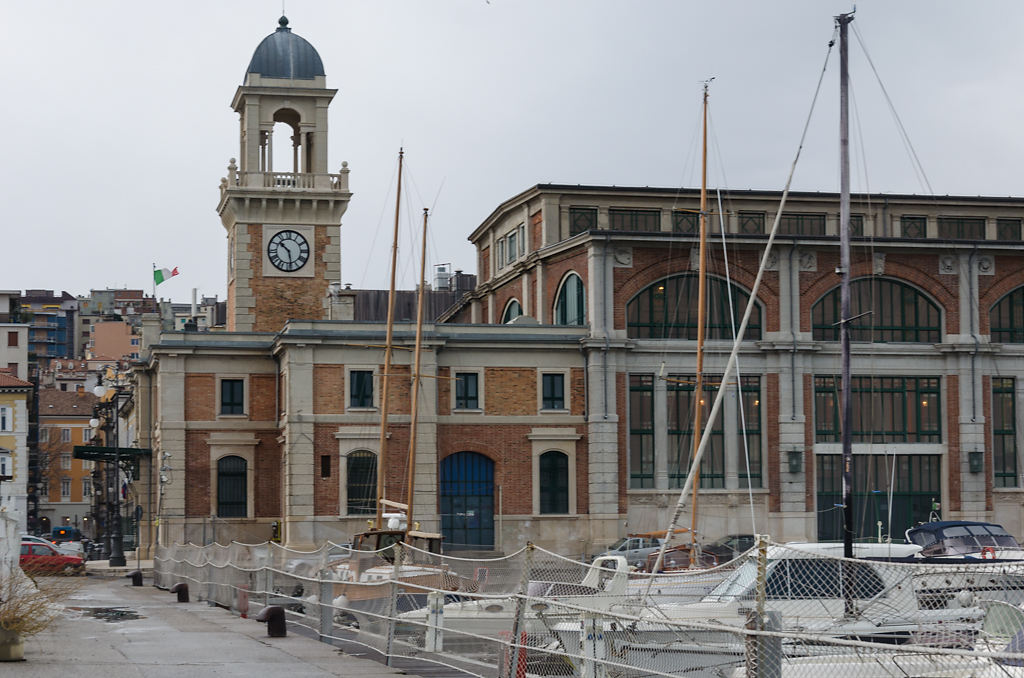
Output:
x,y
467,501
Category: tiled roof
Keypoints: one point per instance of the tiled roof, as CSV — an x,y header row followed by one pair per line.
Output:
x,y
54,403
8,380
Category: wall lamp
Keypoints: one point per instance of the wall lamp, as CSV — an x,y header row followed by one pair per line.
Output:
x,y
795,459
976,461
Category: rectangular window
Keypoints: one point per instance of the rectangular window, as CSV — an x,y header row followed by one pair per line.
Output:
x,y
685,222
634,220
86,487
325,466
914,227
65,435
232,396
360,389
857,225
680,393
86,435
582,219
641,431
748,423
961,228
12,368
501,253
44,434
513,247
522,239
553,392
1004,432
12,338
751,223
6,419
65,460
467,397
1008,229
135,341
65,488
802,224
885,410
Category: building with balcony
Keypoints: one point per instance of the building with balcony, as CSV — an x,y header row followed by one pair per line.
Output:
x,y
52,321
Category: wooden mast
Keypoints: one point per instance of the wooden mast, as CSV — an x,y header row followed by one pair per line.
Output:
x,y
701,304
383,441
416,373
844,291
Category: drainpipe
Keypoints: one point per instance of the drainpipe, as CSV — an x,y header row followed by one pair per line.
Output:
x,y
974,335
794,294
604,322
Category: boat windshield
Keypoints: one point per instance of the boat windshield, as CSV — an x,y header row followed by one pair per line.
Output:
x,y
739,585
963,539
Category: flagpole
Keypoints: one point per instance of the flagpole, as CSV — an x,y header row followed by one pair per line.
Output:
x,y
154,285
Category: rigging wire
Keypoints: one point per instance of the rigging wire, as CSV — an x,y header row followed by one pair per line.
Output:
x,y
751,302
904,136
380,220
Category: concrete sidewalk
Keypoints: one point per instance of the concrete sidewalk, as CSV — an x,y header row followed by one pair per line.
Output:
x,y
168,638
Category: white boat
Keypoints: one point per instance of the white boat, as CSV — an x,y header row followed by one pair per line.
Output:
x,y
811,589
605,584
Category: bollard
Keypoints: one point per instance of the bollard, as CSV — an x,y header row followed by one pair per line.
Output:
x,y
136,577
181,588
273,615
435,622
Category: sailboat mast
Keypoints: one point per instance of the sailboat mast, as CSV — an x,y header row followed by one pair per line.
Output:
x,y
383,441
698,403
420,303
844,294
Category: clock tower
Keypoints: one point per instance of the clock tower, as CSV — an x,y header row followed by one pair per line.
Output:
x,y
283,223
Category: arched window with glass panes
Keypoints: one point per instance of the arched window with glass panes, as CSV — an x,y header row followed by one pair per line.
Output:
x,y
881,311
570,305
361,482
1006,318
512,311
668,308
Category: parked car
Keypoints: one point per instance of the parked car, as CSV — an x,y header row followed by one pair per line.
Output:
x,y
68,548
65,533
45,559
635,548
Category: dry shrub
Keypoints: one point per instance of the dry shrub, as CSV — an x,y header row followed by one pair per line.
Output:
x,y
28,606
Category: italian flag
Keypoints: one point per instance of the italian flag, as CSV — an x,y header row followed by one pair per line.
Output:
x,y
162,274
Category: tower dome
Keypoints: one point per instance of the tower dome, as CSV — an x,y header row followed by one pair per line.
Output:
x,y
282,54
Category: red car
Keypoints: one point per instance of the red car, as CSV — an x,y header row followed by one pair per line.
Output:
x,y
37,558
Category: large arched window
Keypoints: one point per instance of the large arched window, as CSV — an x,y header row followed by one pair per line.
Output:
x,y
554,482
881,311
232,492
668,310
570,307
361,482
512,311
1006,319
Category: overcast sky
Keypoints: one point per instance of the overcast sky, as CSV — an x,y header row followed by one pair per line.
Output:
x,y
118,124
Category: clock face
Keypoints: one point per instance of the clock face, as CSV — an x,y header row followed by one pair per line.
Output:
x,y
288,251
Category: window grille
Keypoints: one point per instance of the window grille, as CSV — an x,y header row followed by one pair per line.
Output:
x,y
668,310
1004,432
554,482
885,410
634,220
914,227
641,431
881,311
802,224
361,483
582,219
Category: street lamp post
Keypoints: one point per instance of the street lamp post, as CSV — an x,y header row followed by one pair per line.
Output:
x,y
117,558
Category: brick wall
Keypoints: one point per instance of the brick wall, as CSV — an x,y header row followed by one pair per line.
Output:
x,y
444,391
268,475
536,227
278,299
328,389
326,490
197,470
953,441
485,264
200,397
510,391
262,397
399,389
577,391
555,270
771,450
